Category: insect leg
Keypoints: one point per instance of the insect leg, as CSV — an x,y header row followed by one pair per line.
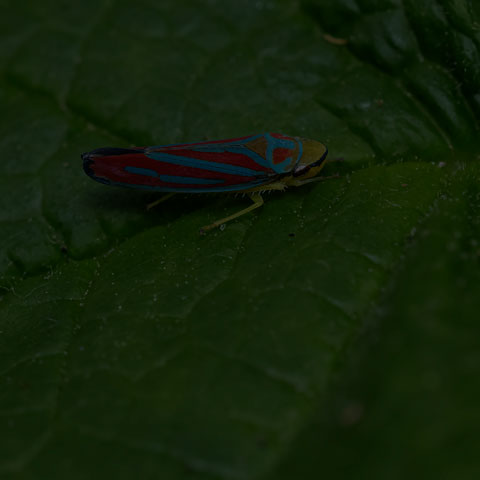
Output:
x,y
257,202
160,200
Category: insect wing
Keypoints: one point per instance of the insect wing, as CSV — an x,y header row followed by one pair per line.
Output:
x,y
214,166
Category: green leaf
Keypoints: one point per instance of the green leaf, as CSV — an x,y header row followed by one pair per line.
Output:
x,y
331,333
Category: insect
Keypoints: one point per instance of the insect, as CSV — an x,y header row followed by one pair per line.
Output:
x,y
253,165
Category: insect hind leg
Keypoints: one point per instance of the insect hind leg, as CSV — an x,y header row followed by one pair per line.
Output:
x,y
160,200
257,202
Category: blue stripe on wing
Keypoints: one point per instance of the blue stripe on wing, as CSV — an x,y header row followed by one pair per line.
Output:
x,y
173,178
274,143
204,164
237,147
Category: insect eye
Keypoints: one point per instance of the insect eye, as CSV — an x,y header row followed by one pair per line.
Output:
x,y
301,171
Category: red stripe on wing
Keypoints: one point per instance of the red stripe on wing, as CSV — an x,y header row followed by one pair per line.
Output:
x,y
229,158
113,168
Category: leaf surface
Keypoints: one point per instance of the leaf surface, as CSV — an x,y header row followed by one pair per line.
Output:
x,y
332,332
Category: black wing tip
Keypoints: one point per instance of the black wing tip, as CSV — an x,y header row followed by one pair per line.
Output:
x,y
89,159
87,162
87,168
